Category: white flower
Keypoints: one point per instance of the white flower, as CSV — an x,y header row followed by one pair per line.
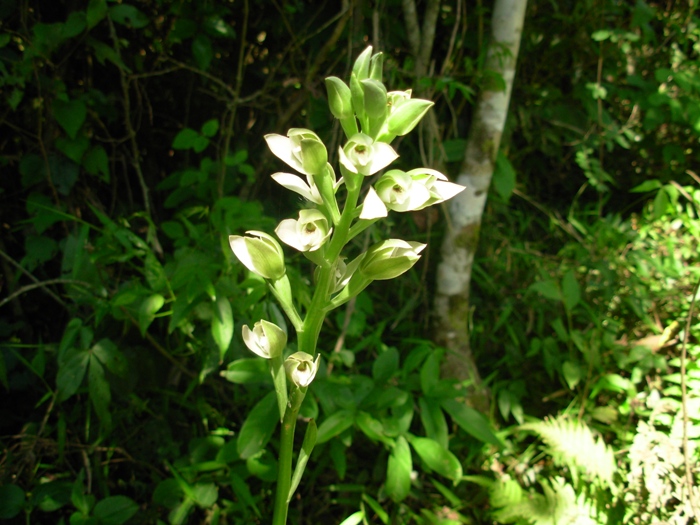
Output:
x,y
362,155
436,183
261,254
400,192
296,184
373,207
302,149
306,234
266,339
301,368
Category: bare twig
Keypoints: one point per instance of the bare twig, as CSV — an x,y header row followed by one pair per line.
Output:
x,y
28,274
40,284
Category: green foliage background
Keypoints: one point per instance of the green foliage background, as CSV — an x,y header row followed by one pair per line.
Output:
x,y
132,146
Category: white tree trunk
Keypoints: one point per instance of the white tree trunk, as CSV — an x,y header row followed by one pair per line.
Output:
x,y
466,209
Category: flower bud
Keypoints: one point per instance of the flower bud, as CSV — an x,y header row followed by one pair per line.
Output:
x,y
308,233
302,149
362,64
376,65
406,115
375,98
266,339
339,98
301,368
261,254
362,155
389,259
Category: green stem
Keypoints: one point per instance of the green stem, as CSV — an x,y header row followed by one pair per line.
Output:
x,y
284,462
308,337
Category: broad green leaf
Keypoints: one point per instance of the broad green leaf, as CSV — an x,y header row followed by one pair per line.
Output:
x,y
74,25
75,148
96,11
504,176
51,496
471,421
99,391
433,420
147,312
372,428
222,325
81,501
386,365
335,424
572,373
185,139
128,15
210,127
242,491
110,356
430,372
104,52
70,115
115,510
12,500
71,372
247,371
304,454
398,471
437,457
258,427
600,35
570,290
202,51
205,494
96,162
263,466
154,272
549,288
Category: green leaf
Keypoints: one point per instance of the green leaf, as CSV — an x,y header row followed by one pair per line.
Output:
x,y
247,371
386,365
154,272
74,149
335,424
71,372
210,127
96,11
51,496
110,356
372,428
202,51
128,15
433,420
354,519
74,25
504,177
12,500
185,139
549,288
572,373
100,394
430,372
437,457
398,471
570,290
148,310
205,494
96,162
600,35
304,454
115,510
222,325
258,427
70,115
471,421
104,52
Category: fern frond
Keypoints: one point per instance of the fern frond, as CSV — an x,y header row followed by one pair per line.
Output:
x,y
559,505
571,443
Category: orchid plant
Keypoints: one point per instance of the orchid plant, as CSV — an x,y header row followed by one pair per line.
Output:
x,y
371,117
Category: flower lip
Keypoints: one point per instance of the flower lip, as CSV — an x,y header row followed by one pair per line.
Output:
x,y
301,368
306,234
363,155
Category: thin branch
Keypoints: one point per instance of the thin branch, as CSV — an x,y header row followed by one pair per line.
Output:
x,y
412,28
28,274
41,284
